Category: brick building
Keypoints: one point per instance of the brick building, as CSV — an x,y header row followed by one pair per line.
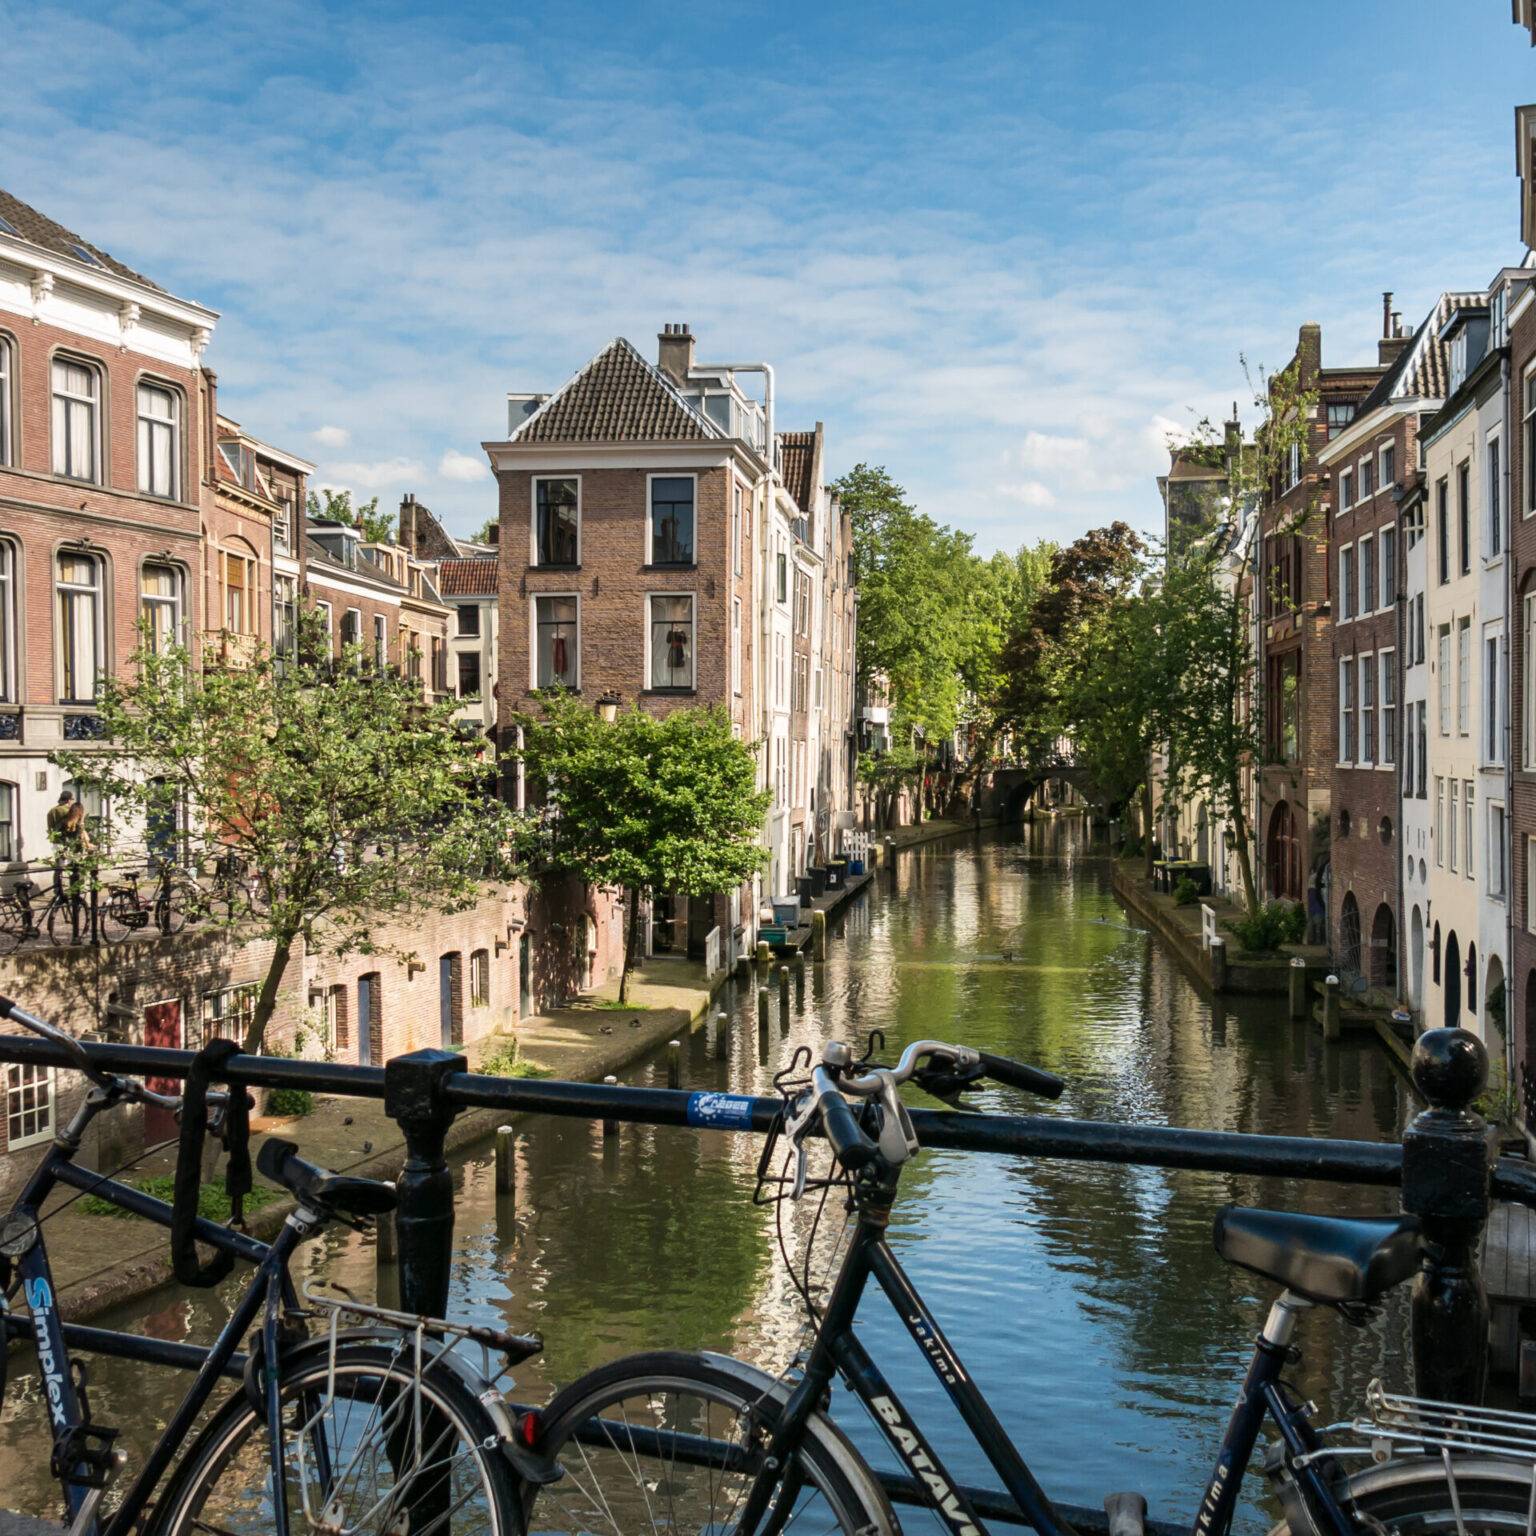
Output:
x,y
1370,462
1296,648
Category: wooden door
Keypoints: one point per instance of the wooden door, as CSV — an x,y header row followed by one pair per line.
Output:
x,y
162,1027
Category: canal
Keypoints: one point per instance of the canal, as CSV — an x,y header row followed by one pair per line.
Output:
x,y
1086,1299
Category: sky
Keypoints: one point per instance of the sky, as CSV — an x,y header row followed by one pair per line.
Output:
x,y
1002,249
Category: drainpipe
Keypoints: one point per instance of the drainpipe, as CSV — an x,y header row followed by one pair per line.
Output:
x,y
1400,586
1510,611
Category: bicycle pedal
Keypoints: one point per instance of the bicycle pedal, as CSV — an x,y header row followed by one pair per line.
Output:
x,y
84,1456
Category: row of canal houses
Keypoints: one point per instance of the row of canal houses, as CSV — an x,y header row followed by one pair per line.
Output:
x,y
1391,573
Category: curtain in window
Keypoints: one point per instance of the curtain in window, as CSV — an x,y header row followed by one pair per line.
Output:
x,y
671,520
158,605
74,419
235,606
5,401
671,642
79,627
7,624
157,441
556,623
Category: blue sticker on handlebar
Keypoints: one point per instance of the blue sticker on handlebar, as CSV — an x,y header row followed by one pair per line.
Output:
x,y
720,1111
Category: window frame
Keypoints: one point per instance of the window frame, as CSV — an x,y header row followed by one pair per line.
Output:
x,y
1469,827
1464,514
1453,824
1494,707
1493,496
478,691
175,425
10,611
651,685
177,602
650,521
736,646
1498,863
10,827
1439,822
10,397
460,632
534,599
1443,530
99,590
1386,567
535,481
1365,569
1348,703
1364,475
738,522
1386,466
22,1077
1464,676
1386,706
479,978
1443,679
59,452
1365,699
380,641
1346,489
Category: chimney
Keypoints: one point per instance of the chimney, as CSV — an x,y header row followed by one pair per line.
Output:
x,y
1233,435
674,351
494,535
1386,316
408,521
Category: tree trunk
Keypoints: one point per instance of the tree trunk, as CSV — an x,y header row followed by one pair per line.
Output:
x,y
1241,834
631,933
266,999
1146,828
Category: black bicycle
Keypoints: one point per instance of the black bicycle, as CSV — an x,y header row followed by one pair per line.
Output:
x,y
380,1429
127,908
673,1441
64,917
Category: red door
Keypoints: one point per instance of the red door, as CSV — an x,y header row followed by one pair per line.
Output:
x,y
162,1026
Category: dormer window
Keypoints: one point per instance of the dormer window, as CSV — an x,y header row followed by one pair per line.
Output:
x,y
241,460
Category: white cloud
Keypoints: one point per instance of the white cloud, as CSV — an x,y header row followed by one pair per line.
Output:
x,y
1028,493
462,466
374,476
331,437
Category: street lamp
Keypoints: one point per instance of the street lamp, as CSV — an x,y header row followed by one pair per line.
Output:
x,y
608,706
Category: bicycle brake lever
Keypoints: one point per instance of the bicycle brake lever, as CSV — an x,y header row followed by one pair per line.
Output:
x,y
898,1141
797,1121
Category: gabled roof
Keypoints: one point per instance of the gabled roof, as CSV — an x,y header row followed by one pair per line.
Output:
x,y
617,398
1422,370
797,466
38,228
467,578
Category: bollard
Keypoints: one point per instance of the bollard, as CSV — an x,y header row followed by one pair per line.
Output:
x,y
610,1127
722,1035
819,934
1218,953
1446,1163
764,955
1333,1026
506,1164
1298,975
762,1007
674,1063
784,987
800,978
413,1099
743,967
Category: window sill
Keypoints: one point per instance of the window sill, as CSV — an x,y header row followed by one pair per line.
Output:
x,y
666,693
671,565
553,567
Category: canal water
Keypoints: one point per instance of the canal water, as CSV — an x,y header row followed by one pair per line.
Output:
x,y
1086,1299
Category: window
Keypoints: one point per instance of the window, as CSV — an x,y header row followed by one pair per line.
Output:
x,y
1497,873
782,584
1464,678
672,520
1388,565
1530,884
557,523
1367,677
1280,723
9,689
227,1013
1339,417
9,842
1422,776
351,628
671,637
239,605
1347,710
159,440
1464,514
286,616
28,1104
1367,489
1386,663
160,606
1455,822
380,641
479,979
1386,464
1495,498
1493,726
469,674
1529,470
76,419
736,645
1292,465
1528,681
1346,490
1443,530
736,529
558,642
1417,635
1347,582
327,627
1468,841
7,403
1439,821
1410,747
1443,665
81,653
469,619
282,526
1367,574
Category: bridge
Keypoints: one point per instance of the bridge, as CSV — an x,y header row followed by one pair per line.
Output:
x,y
1008,791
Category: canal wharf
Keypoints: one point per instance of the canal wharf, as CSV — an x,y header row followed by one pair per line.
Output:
x,y
786,941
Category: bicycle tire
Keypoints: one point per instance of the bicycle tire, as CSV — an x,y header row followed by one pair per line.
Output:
x,y
1410,1497
62,926
110,921
13,926
224,1482
170,915
620,1488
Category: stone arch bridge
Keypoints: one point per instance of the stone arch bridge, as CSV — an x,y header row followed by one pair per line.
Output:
x,y
1008,791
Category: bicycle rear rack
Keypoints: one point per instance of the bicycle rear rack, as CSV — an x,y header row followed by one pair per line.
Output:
x,y
1395,1424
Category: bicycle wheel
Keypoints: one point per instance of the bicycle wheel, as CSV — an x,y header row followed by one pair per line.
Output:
x,y
1411,1496
670,1442
357,1454
170,915
68,920
13,924
114,917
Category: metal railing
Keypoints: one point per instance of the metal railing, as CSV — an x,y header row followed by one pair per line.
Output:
x,y
1447,1174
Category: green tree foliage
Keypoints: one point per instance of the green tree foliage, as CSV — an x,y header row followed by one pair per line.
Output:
x,y
487,531
378,527
333,797
646,804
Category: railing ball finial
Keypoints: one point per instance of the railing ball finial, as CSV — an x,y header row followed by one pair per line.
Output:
x,y
1450,1068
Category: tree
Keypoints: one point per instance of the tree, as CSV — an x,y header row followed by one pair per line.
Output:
x,y
377,527
645,805
331,799
487,532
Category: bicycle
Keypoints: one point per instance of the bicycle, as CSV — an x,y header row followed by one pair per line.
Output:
x,y
127,910
703,1443
65,916
383,1427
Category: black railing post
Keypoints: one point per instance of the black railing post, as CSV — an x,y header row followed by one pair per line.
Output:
x,y
1447,1159
414,1100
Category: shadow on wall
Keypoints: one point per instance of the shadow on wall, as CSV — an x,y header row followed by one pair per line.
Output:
x,y
571,947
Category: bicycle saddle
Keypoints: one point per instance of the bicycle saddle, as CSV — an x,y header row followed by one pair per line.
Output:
x,y
320,1188
1333,1259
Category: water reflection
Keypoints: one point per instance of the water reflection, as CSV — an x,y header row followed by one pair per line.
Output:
x,y
1086,1298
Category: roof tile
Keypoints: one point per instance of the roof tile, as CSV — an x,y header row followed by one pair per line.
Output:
x,y
474,577
41,230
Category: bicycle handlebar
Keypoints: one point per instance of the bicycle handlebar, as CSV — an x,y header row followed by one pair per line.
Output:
x,y
1002,1069
854,1149
9,1009
1019,1074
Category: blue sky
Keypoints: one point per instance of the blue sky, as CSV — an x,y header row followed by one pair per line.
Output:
x,y
1001,249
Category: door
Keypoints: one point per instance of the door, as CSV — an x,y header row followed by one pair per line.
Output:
x,y
162,1027
365,1021
445,1001
524,977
